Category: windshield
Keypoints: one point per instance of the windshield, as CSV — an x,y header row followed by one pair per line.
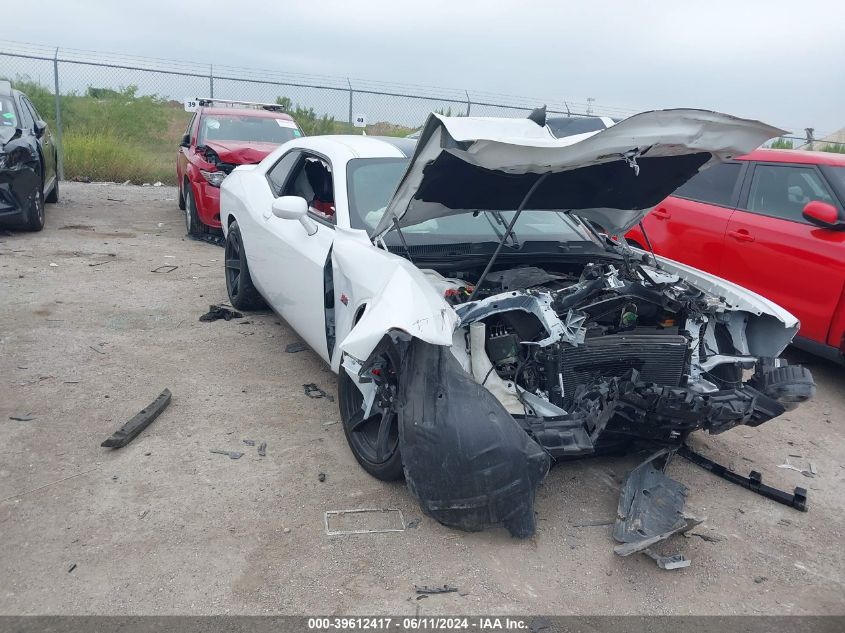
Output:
x,y
7,113
228,127
373,181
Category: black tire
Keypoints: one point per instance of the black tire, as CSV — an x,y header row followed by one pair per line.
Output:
x,y
181,198
34,213
242,293
53,196
375,440
192,220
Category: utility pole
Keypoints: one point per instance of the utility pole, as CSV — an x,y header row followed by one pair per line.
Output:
x,y
810,139
590,102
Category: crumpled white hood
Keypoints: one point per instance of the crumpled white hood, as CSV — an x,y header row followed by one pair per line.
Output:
x,y
466,163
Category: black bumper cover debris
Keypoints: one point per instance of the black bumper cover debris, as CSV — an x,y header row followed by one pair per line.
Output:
x,y
467,461
651,507
216,312
142,420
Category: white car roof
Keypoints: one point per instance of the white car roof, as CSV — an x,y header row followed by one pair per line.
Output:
x,y
349,146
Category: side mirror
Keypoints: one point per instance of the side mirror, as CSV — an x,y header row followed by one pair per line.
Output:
x,y
186,141
294,208
39,127
822,214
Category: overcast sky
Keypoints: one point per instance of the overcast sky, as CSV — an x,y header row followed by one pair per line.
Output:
x,y
782,62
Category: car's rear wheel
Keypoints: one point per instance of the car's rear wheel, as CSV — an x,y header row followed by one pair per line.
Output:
x,y
374,440
192,220
242,293
34,212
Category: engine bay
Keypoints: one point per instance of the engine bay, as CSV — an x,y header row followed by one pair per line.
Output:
x,y
608,345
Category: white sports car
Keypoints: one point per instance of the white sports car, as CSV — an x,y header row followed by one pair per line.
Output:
x,y
482,327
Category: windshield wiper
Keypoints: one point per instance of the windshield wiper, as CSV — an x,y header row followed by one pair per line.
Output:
x,y
501,221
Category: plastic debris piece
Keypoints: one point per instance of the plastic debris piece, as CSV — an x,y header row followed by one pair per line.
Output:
x,y
293,348
139,422
432,590
164,269
216,312
262,449
22,417
313,391
231,454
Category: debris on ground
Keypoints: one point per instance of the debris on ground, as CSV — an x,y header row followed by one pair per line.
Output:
x,y
167,268
313,391
249,442
71,568
230,454
710,538
216,239
22,417
754,481
363,521
139,422
262,449
676,561
760,579
321,477
594,523
330,423
413,524
807,472
432,590
216,312
293,348
99,351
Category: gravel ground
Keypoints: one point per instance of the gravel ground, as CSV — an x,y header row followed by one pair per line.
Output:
x,y
89,336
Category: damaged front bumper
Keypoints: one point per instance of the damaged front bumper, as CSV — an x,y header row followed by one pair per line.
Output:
x,y
19,182
472,464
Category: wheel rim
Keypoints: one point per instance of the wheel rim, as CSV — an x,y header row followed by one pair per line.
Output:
x,y
39,206
233,254
375,438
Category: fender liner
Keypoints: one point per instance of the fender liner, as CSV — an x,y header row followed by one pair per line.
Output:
x,y
467,461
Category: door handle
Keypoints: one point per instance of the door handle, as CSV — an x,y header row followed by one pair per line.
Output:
x,y
741,235
662,214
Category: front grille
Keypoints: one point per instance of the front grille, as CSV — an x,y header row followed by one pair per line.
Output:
x,y
659,358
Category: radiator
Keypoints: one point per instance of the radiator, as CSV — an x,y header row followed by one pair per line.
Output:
x,y
659,358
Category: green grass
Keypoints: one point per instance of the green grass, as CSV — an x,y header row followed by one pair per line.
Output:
x,y
118,135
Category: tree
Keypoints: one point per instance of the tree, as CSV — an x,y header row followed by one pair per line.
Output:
x,y
782,143
308,120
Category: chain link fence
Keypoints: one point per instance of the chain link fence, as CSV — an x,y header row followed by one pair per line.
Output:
x,y
119,118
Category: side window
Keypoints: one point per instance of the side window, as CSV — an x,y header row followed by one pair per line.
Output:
x,y
782,191
27,121
714,185
32,111
278,174
312,179
191,124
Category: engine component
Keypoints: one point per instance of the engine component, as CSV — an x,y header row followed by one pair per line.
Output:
x,y
658,358
502,346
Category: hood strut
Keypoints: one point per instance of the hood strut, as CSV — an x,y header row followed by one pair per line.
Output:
x,y
506,235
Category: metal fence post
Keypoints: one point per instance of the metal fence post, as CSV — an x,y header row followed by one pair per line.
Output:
x,y
60,150
211,80
469,103
350,103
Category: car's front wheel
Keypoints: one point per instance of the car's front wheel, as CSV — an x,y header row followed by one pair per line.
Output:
x,y
374,440
34,212
243,295
192,220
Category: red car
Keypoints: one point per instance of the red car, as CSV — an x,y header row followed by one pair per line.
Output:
x,y
221,136
772,221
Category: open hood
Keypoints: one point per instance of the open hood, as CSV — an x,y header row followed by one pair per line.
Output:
x,y
612,177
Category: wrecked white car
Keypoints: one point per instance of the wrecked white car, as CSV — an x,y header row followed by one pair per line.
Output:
x,y
482,328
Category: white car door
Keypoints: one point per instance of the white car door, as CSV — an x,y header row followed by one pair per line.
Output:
x,y
291,263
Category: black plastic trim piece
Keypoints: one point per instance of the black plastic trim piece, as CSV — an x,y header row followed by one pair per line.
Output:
x,y
139,422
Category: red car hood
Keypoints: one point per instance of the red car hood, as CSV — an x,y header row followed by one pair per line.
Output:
x,y
241,152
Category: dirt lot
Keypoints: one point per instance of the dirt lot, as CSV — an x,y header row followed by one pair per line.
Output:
x,y
89,336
